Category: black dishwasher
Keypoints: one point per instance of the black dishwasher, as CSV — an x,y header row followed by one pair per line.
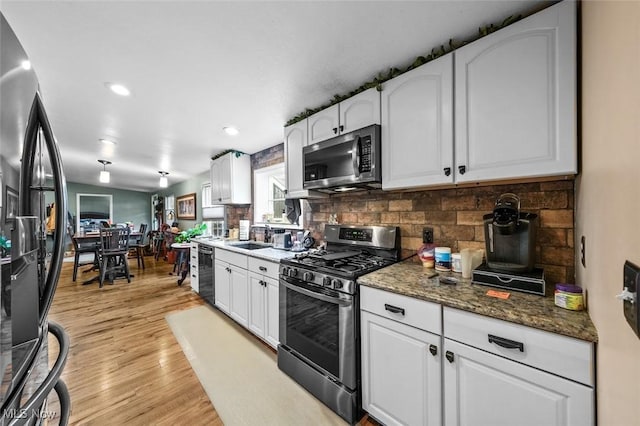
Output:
x,y
205,273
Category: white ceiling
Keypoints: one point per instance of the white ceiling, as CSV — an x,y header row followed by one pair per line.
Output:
x,y
195,67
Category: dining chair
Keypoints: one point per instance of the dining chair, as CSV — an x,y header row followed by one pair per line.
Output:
x,y
113,251
80,248
139,245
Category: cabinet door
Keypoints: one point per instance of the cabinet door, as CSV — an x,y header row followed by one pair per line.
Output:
x,y
295,138
216,184
194,278
323,125
484,389
360,111
206,194
257,304
222,283
401,377
239,288
273,312
516,99
225,178
417,126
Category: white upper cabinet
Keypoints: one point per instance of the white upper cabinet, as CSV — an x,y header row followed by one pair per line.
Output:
x,y
324,125
358,111
295,138
515,99
417,127
231,179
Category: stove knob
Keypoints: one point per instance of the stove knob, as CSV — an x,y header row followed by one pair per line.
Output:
x,y
336,284
292,272
326,281
285,271
307,276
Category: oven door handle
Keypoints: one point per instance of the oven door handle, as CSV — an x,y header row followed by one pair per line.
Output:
x,y
315,295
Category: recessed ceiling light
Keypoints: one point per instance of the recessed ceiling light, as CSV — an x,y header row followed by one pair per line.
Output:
x,y
26,65
107,141
118,89
231,131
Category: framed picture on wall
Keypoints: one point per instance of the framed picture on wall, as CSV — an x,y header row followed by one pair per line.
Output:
x,y
11,204
186,206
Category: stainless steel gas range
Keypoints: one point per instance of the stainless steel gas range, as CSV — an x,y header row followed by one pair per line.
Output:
x,y
320,311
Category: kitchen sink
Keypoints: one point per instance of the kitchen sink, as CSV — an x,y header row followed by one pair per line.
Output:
x,y
251,246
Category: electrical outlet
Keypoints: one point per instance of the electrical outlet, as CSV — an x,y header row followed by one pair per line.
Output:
x,y
427,235
629,296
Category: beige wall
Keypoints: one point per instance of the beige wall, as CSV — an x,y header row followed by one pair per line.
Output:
x,y
608,195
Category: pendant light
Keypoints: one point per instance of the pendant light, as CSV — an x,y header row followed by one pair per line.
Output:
x,y
105,176
164,182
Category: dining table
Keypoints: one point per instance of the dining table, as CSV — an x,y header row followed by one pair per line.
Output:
x,y
94,237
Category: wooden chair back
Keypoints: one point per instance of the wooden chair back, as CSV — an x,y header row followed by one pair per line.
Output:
x,y
114,241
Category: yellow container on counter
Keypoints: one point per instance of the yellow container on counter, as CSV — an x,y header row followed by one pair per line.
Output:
x,y
569,296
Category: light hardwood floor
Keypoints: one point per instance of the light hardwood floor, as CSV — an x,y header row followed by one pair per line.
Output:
x,y
124,365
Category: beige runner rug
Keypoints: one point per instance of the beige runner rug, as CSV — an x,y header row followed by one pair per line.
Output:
x,y
241,376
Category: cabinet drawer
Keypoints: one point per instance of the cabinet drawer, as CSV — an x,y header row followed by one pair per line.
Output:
x,y
260,266
237,259
407,310
194,247
561,355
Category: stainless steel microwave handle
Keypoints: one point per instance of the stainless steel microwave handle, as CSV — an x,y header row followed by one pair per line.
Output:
x,y
355,157
313,294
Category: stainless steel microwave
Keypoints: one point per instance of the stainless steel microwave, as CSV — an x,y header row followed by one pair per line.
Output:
x,y
346,162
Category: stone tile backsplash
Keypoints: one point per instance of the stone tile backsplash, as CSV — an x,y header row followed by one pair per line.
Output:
x,y
456,217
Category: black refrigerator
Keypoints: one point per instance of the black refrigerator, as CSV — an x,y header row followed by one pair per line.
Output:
x,y
32,183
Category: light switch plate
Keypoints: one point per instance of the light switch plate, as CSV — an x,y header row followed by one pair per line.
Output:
x,y
631,307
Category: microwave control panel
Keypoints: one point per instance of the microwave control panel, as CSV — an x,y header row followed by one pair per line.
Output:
x,y
365,154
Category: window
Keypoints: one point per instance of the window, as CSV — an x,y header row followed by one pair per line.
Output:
x,y
269,186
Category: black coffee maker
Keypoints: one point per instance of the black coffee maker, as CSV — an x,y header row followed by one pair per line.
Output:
x,y
510,236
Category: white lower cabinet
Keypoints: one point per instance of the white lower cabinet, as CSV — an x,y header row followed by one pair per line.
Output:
x,y
222,285
263,303
427,365
500,373
401,364
247,289
193,266
485,389
264,300
239,288
232,285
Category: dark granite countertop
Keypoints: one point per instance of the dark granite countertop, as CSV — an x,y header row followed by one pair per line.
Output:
x,y
409,278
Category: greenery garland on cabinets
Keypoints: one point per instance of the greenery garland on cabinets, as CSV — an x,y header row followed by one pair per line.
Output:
x,y
225,152
436,52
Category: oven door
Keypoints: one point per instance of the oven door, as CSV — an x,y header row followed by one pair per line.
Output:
x,y
318,324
